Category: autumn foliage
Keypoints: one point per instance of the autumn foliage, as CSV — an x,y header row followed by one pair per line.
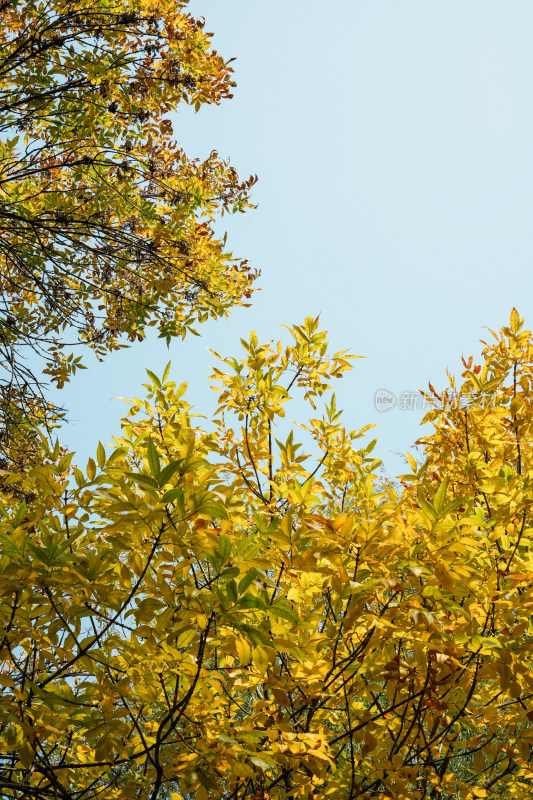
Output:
x,y
208,612
106,225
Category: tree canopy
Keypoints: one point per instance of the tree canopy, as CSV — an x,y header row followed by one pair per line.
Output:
x,y
105,223
209,612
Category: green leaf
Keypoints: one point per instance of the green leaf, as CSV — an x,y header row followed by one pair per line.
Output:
x,y
64,462
506,472
153,377
428,509
26,754
227,739
153,458
166,372
254,635
245,582
174,494
21,510
231,591
215,510
207,780
100,455
142,479
284,612
452,506
8,547
230,572
224,547
117,453
440,495
252,601
166,474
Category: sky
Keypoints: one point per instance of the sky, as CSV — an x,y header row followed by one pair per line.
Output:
x,y
393,140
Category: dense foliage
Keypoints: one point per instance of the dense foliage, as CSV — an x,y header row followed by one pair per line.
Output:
x,y
207,612
105,223
214,614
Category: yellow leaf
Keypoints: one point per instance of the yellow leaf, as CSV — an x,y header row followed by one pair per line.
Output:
x,y
286,525
91,469
516,322
100,455
260,659
340,521
244,651
411,461
479,762
347,527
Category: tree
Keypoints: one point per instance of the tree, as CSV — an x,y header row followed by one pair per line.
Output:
x,y
214,614
105,224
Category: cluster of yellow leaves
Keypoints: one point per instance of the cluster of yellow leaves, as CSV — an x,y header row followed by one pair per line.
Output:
x,y
213,614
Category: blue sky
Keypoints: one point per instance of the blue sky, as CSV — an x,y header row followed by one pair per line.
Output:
x,y
394,146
